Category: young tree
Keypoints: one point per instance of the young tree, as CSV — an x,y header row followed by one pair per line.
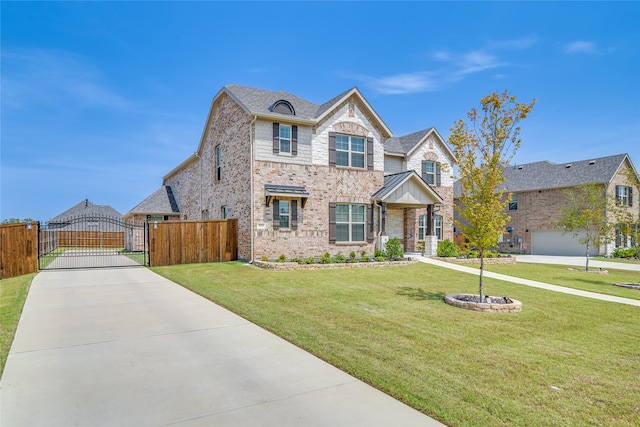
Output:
x,y
483,148
585,212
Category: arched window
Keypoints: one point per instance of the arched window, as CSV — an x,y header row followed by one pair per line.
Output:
x,y
282,107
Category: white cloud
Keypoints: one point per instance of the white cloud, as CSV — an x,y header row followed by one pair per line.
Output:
x,y
455,66
581,46
403,83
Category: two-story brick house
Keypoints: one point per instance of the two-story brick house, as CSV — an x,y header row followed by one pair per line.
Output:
x,y
537,195
305,178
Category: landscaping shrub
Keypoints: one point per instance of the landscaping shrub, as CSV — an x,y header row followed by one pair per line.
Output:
x,y
446,248
325,259
339,259
364,258
378,254
394,249
627,252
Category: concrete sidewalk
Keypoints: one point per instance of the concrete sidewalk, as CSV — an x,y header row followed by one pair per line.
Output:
x,y
126,347
532,283
578,261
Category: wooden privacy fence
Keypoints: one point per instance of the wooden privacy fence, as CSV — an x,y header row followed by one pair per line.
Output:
x,y
18,249
186,242
88,239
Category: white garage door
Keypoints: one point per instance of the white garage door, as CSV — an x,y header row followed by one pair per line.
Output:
x,y
555,243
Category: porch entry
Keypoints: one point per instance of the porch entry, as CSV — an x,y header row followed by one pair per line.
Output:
x,y
92,241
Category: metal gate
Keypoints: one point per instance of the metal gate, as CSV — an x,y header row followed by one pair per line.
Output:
x,y
92,241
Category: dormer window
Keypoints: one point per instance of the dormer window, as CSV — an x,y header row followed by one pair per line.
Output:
x,y
282,107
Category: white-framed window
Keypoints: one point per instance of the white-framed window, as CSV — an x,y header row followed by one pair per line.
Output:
x,y
350,223
205,214
284,211
223,212
430,172
218,164
513,203
622,195
350,151
422,227
285,139
437,226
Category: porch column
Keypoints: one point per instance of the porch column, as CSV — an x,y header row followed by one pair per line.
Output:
x,y
430,220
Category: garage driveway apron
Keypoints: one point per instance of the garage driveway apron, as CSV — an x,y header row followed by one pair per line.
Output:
x,y
126,347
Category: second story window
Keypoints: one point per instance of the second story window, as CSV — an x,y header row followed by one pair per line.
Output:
x,y
223,212
624,195
513,203
430,172
350,151
285,139
218,163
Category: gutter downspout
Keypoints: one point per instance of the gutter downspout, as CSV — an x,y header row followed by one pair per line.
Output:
x,y
251,231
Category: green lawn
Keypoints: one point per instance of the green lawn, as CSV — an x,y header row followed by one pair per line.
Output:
x,y
13,294
562,361
563,275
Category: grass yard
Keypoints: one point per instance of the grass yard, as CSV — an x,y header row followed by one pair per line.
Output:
x,y
561,275
13,294
562,361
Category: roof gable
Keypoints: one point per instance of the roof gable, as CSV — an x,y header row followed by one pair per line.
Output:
x,y
407,188
407,144
85,207
161,201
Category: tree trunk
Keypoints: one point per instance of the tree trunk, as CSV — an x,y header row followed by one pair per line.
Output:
x,y
587,257
481,290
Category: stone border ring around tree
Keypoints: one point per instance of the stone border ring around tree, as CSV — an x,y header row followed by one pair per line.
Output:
x,y
492,304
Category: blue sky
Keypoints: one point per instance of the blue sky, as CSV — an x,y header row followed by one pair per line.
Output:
x,y
101,99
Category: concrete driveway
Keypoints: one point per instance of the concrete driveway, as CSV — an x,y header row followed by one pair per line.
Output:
x,y
576,261
126,347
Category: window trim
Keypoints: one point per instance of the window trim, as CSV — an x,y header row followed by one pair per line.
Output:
x,y
280,139
351,223
223,211
437,226
513,202
350,152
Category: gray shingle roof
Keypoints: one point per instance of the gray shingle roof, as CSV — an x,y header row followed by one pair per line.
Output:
x,y
84,208
548,175
161,201
404,144
545,175
258,101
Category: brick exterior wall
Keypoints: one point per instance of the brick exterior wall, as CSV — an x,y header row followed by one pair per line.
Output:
x,y
325,184
195,185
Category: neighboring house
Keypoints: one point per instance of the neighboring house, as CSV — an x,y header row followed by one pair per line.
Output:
x,y
537,195
159,206
304,179
84,209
